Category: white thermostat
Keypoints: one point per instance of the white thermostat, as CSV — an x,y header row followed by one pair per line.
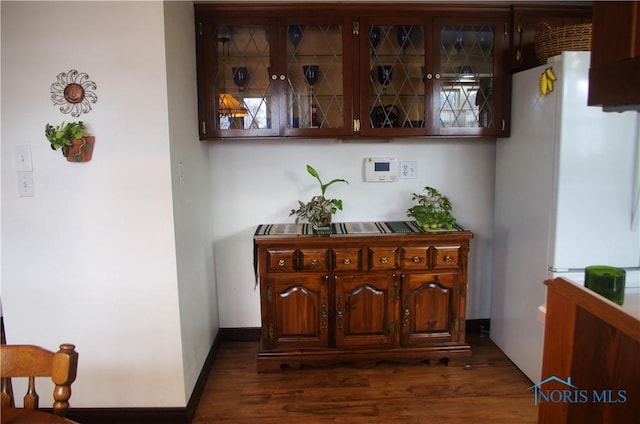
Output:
x,y
380,169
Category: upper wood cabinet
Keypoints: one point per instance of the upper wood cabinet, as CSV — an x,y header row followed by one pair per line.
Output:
x,y
348,71
528,19
615,55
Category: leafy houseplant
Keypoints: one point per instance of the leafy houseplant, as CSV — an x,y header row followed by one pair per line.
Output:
x,y
72,138
319,209
433,210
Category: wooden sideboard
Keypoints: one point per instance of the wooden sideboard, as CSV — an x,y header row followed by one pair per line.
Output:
x,y
365,293
596,344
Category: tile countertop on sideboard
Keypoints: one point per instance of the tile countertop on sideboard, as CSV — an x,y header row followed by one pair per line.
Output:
x,y
349,229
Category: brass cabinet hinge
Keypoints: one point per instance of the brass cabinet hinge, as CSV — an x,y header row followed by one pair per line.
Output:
x,y
520,24
457,325
269,294
395,292
506,29
203,127
356,125
339,313
356,28
200,28
324,314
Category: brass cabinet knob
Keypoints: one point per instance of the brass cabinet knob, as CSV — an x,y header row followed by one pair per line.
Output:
x,y
384,260
416,259
274,77
314,261
281,262
447,258
346,261
283,77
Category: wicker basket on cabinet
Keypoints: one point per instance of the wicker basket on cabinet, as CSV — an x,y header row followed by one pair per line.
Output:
x,y
550,41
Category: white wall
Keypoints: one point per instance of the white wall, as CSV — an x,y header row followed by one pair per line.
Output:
x,y
192,195
97,257
256,182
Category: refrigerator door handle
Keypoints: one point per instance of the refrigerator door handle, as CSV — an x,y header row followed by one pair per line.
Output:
x,y
563,270
635,200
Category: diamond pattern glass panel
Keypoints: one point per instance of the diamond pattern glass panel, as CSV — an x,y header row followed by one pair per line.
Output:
x,y
242,79
467,72
315,97
396,76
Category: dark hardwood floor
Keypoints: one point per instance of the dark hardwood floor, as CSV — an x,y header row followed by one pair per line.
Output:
x,y
491,390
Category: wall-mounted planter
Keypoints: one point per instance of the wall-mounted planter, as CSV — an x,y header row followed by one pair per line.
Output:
x,y
81,149
72,139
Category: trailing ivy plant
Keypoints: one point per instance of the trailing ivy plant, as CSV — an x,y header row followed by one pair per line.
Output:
x,y
433,210
319,209
62,136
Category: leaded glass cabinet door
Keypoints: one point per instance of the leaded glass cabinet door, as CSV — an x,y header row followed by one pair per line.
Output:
x,y
466,100
317,100
240,94
393,80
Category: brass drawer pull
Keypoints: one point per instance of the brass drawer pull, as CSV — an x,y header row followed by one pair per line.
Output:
x,y
384,260
447,258
416,259
346,261
314,261
281,262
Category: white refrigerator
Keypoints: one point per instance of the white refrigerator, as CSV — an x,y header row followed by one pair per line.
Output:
x,y
566,196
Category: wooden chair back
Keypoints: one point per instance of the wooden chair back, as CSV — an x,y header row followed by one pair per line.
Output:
x,y
33,361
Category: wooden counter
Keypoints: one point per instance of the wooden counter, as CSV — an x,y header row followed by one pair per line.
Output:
x,y
593,345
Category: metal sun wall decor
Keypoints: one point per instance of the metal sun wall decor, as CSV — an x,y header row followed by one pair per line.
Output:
x,y
73,92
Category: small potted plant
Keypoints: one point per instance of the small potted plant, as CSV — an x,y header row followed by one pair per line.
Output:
x,y
319,209
72,139
433,211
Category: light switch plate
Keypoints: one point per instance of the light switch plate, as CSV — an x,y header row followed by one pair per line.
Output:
x,y
23,158
25,184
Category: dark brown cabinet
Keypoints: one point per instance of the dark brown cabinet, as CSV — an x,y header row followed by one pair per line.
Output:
x,y
528,19
596,345
345,71
365,310
615,55
361,298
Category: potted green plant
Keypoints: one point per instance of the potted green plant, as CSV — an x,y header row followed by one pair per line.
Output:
x,y
433,210
72,139
319,209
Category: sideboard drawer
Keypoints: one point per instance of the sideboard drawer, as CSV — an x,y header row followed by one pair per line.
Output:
x,y
281,260
314,259
347,259
415,257
446,257
382,258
